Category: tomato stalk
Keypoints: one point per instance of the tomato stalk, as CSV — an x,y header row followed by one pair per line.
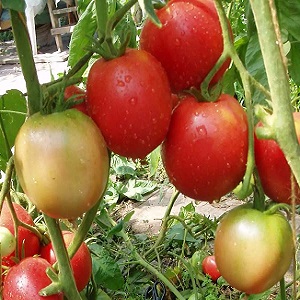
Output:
x,y
105,45
6,184
26,60
67,282
281,120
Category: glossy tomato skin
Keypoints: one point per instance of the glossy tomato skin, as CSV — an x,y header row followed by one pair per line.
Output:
x,y
25,280
27,240
73,91
273,169
81,262
188,44
129,98
209,267
61,162
253,249
205,151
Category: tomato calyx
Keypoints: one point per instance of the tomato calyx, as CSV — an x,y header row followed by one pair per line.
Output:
x,y
275,208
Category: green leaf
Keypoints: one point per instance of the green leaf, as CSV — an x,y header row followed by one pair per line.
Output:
x,y
136,189
147,7
154,161
106,271
294,61
18,5
12,116
82,36
289,16
255,65
116,229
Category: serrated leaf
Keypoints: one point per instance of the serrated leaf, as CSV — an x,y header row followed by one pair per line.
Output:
x,y
81,39
106,271
148,9
12,116
18,5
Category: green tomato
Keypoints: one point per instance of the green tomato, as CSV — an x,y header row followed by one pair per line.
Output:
x,y
7,241
253,249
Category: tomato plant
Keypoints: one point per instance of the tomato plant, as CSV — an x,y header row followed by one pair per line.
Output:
x,y
253,249
77,94
209,267
269,160
81,262
129,98
25,280
188,44
28,242
61,161
205,151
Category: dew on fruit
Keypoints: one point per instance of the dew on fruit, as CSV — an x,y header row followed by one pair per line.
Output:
x,y
133,101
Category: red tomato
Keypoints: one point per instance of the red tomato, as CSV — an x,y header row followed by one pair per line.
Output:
x,y
27,240
25,280
188,44
129,98
73,90
81,262
205,151
273,169
209,267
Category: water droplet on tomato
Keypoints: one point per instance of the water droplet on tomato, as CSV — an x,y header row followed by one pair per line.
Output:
x,y
177,42
128,78
133,101
120,83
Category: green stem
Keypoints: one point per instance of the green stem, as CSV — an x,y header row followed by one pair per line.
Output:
x,y
6,184
26,60
164,226
145,264
283,123
246,80
282,289
102,16
65,271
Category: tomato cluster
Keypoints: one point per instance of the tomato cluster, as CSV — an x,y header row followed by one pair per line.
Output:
x,y
24,272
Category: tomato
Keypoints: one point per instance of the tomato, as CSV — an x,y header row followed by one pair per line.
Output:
x,y
28,242
269,160
253,249
209,267
81,262
7,241
129,98
205,151
188,44
62,163
72,91
25,280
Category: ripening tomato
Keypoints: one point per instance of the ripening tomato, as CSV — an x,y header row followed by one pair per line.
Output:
x,y
205,151
61,162
28,242
7,241
25,280
273,168
81,262
188,44
129,98
209,267
78,94
253,249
